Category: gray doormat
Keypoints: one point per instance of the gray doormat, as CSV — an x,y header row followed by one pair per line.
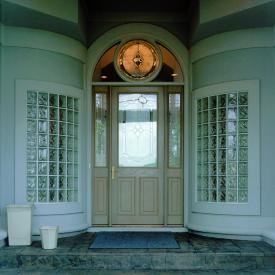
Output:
x,y
134,240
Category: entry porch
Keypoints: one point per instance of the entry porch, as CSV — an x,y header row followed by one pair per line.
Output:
x,y
195,254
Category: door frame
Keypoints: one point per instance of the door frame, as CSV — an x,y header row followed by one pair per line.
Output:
x,y
95,51
163,102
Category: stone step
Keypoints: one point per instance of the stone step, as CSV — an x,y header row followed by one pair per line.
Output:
x,y
195,253
12,271
139,261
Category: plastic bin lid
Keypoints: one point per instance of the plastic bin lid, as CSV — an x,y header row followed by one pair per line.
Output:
x,y
49,227
19,206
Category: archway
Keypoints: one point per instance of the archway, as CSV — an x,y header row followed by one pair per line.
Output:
x,y
146,32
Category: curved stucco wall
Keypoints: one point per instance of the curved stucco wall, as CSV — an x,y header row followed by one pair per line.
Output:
x,y
43,56
0,117
234,56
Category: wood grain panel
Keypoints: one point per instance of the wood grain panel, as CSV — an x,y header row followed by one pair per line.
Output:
x,y
100,196
126,196
149,199
174,196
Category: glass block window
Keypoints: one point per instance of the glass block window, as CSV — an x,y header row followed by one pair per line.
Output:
x,y
222,148
52,147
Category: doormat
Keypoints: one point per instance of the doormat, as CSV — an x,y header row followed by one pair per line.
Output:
x,y
134,240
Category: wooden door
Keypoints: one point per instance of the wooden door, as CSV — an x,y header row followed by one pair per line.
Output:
x,y
137,156
138,164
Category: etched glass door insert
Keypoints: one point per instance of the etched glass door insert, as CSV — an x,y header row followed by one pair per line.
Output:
x,y
137,133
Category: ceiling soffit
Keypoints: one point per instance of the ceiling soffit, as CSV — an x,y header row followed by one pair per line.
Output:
x,y
181,17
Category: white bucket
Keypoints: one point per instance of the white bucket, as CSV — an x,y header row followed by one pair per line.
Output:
x,y
49,236
19,224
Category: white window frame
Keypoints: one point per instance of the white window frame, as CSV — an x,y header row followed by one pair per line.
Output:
x,y
252,207
21,88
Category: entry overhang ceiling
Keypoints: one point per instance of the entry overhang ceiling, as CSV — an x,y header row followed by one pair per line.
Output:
x,y
189,20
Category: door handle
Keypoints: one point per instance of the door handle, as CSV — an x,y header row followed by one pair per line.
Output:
x,y
113,172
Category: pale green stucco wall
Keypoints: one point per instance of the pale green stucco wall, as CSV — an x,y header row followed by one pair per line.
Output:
x,y
1,185
65,17
32,64
53,62
253,63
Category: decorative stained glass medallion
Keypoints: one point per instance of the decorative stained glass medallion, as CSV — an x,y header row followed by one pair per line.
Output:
x,y
138,60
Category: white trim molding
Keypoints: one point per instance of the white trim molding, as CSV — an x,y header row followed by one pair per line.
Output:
x,y
137,229
21,87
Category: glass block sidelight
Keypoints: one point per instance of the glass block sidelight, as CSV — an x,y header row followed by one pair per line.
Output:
x,y
222,148
52,151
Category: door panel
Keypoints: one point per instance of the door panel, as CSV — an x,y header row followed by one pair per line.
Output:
x,y
149,196
126,196
174,166
100,202
100,196
174,196
100,188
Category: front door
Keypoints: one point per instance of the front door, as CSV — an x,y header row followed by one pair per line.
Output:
x,y
137,156
138,169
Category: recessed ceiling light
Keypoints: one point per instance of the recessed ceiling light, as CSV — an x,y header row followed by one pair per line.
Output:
x,y
174,74
104,76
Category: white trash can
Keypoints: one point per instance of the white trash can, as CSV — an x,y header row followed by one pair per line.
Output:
x,y
49,236
19,224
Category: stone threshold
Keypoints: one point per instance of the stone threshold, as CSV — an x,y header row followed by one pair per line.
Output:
x,y
137,229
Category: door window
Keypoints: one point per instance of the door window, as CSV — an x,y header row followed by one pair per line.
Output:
x,y
137,130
